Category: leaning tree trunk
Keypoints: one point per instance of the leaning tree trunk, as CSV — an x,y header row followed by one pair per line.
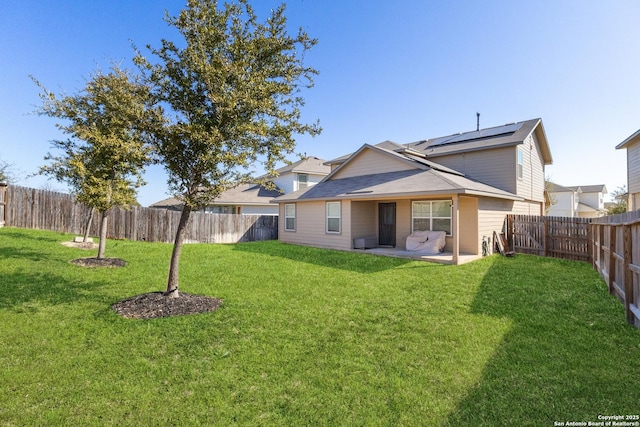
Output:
x,y
172,283
103,234
88,226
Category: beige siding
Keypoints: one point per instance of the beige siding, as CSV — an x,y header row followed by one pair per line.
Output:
x,y
531,186
311,226
633,169
468,216
364,219
495,167
369,162
403,223
492,213
498,168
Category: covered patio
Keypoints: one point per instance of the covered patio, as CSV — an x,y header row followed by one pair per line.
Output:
x,y
441,258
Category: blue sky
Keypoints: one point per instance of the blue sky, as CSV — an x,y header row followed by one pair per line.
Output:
x,y
389,70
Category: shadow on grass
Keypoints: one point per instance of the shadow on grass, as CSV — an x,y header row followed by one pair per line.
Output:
x,y
563,358
27,291
359,263
16,233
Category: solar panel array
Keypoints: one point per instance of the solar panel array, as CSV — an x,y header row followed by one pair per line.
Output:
x,y
478,134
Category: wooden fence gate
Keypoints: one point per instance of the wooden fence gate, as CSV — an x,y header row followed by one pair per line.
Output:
x,y
556,237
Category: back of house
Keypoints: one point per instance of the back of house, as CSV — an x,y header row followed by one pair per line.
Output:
x,y
463,184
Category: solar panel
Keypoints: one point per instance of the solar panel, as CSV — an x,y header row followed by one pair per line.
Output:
x,y
478,134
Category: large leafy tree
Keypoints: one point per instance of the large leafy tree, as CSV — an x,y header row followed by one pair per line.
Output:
x,y
231,96
103,158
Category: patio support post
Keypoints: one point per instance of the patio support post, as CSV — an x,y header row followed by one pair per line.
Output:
x,y
455,228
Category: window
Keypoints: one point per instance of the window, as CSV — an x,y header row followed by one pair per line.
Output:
x,y
434,215
333,217
303,181
222,209
290,217
520,164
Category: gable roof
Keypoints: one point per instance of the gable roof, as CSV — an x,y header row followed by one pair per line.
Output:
x,y
395,184
629,141
599,188
401,155
423,178
555,188
312,165
495,137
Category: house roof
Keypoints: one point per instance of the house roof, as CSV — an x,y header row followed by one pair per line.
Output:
x,y
423,176
494,137
387,145
414,182
555,188
629,141
312,165
243,194
598,188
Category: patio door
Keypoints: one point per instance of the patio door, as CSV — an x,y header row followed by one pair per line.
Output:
x,y
387,224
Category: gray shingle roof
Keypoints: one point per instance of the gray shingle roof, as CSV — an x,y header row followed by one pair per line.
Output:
x,y
394,184
313,165
243,194
495,137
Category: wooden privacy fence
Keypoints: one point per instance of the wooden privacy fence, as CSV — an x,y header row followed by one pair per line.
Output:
x,y
616,249
556,237
47,210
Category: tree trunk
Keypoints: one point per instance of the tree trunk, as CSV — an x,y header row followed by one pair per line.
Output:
x,y
88,226
103,234
172,283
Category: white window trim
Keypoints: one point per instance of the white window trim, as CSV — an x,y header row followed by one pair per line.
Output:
x,y
327,217
298,182
520,163
290,216
431,217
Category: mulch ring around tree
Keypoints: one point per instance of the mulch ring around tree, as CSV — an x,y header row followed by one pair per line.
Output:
x,y
154,305
99,262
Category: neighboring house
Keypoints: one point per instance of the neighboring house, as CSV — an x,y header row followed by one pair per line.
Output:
x,y
254,199
464,184
300,175
632,144
584,201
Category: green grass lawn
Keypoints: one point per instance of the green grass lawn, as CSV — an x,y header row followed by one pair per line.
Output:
x,y
308,337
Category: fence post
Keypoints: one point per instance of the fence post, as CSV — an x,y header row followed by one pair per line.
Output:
x,y
590,247
612,256
545,236
3,203
628,275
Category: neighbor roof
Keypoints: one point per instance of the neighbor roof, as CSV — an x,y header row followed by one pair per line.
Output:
x,y
599,188
243,194
312,165
629,141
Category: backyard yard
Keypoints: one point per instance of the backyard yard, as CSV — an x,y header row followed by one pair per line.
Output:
x,y
307,336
